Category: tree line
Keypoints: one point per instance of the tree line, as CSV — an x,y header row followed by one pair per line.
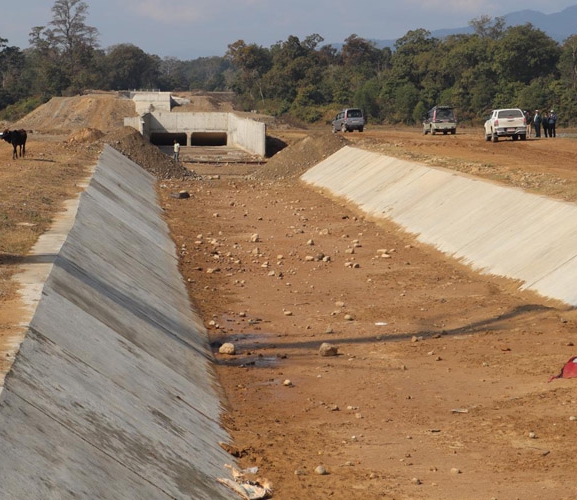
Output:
x,y
495,66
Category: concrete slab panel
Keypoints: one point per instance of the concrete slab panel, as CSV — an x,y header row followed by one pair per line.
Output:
x,y
112,394
496,229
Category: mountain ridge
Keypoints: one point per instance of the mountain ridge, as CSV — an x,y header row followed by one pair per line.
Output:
x,y
558,25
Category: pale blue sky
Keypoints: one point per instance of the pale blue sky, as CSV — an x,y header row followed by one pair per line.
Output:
x,y
188,29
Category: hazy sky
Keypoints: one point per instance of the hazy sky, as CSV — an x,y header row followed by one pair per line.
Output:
x,y
188,29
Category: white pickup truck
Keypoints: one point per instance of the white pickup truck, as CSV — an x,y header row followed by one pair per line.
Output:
x,y
506,123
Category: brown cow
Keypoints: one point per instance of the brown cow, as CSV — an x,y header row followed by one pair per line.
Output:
x,y
18,139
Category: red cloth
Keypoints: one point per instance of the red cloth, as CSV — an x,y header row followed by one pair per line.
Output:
x,y
568,371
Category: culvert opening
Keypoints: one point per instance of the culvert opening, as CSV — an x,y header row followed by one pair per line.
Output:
x,y
165,139
208,139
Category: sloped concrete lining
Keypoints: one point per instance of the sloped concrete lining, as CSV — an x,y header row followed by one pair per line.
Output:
x,y
112,395
496,229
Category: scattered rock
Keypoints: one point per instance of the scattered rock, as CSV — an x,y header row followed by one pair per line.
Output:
x,y
327,350
180,195
321,471
227,348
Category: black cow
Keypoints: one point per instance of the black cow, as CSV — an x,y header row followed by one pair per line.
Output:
x,y
18,139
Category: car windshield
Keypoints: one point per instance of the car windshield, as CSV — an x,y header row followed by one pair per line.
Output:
x,y
354,113
510,113
444,114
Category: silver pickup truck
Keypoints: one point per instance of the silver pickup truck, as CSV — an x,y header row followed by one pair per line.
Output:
x,y
506,123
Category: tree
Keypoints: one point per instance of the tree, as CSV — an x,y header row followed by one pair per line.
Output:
x,y
568,62
69,30
485,27
67,47
525,53
252,62
129,67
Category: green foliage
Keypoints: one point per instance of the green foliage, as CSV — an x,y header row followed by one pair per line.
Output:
x,y
496,66
16,111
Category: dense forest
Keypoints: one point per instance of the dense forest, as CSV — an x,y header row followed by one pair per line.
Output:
x,y
495,66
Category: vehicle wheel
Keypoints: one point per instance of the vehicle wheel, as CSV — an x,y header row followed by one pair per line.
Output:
x,y
514,137
453,132
495,137
433,131
523,137
445,132
425,131
334,130
360,129
343,128
487,137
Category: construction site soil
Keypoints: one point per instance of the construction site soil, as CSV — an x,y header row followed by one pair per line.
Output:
x,y
439,386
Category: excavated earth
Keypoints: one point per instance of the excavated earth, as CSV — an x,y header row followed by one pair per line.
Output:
x,y
439,387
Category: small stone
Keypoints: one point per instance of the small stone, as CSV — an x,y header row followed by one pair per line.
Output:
x,y
255,238
287,383
572,418
288,313
416,480
532,435
181,195
348,317
227,348
327,350
321,471
454,470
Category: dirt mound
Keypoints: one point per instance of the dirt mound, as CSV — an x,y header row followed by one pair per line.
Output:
x,y
86,135
62,115
297,158
131,144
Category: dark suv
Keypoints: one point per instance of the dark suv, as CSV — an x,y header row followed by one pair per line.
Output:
x,y
348,120
440,119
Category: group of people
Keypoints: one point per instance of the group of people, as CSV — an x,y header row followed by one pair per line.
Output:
x,y
547,121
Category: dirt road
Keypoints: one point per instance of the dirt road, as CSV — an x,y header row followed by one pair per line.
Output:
x,y
440,386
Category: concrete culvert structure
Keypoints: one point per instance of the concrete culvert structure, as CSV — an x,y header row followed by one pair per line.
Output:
x,y
167,139
208,139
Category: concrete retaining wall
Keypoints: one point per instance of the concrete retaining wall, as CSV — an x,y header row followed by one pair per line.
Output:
x,y
496,229
248,134
145,102
112,395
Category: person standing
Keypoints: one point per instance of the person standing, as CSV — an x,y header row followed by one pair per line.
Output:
x,y
176,150
537,123
529,122
552,124
545,123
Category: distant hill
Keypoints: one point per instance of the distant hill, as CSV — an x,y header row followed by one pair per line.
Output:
x,y
558,26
